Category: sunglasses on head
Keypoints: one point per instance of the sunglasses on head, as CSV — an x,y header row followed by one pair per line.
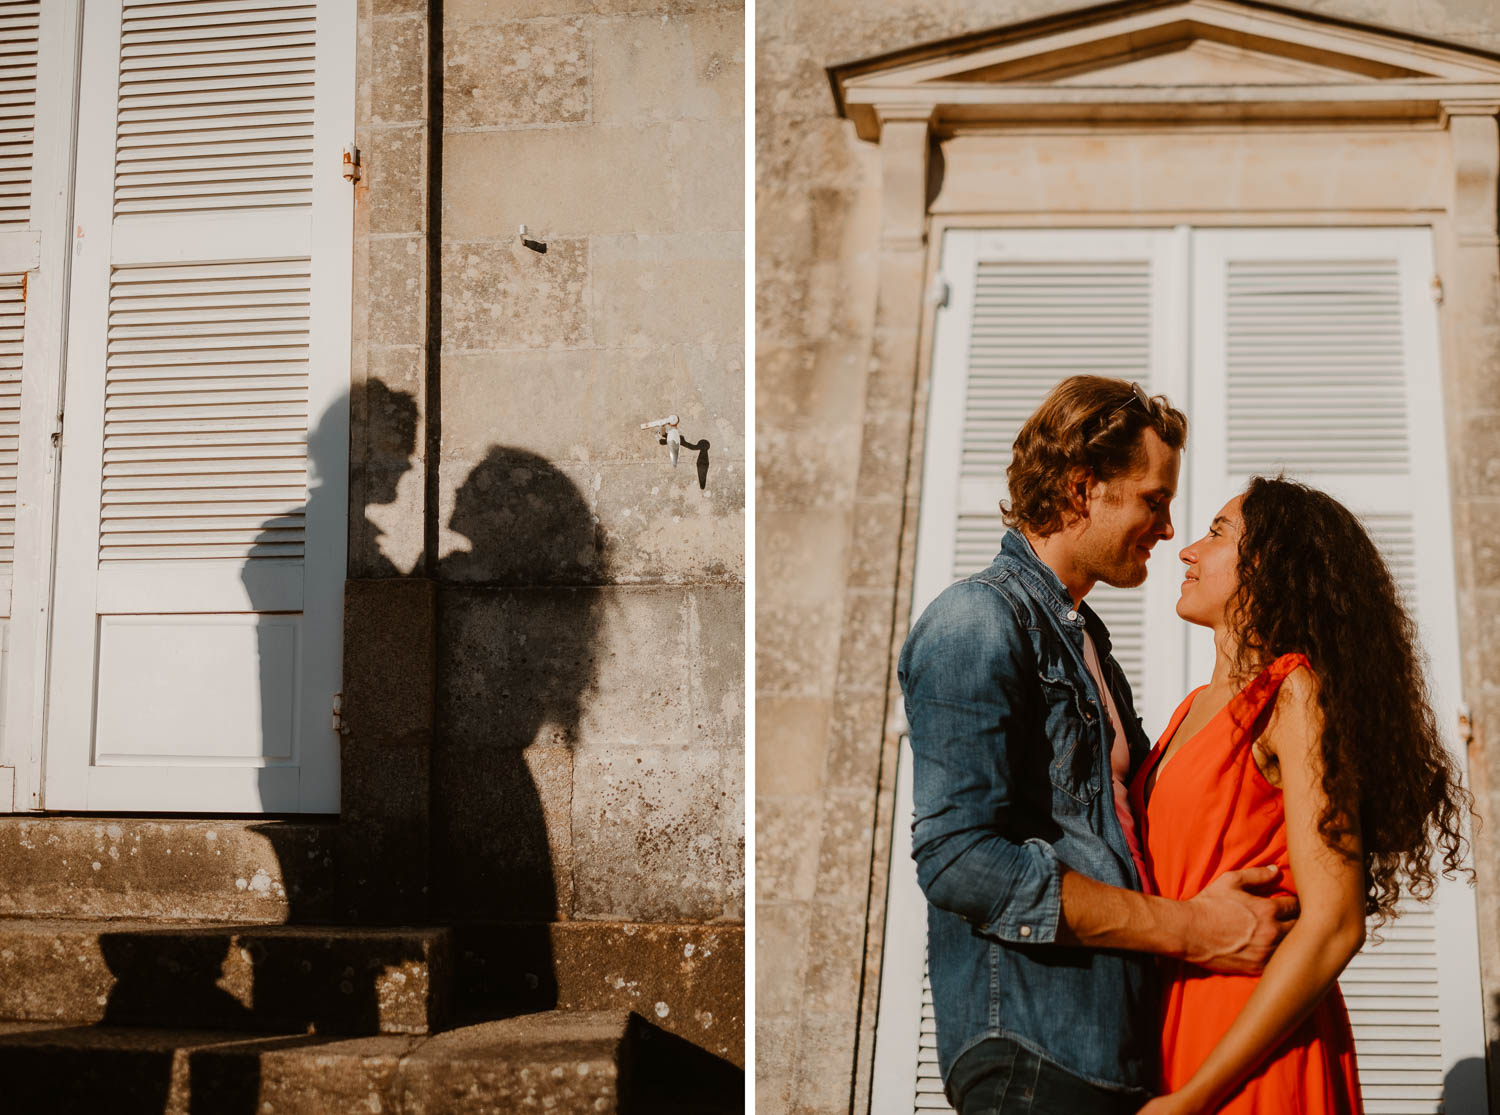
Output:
x,y
1138,395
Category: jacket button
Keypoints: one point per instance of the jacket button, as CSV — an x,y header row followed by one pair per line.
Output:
x,y
1072,615
1026,931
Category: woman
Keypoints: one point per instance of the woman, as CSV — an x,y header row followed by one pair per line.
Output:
x,y
1314,748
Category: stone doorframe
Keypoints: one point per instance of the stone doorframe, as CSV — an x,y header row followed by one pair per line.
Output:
x,y
1164,67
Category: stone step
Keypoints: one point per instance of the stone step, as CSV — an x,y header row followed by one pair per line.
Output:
x,y
227,977
565,1063
265,872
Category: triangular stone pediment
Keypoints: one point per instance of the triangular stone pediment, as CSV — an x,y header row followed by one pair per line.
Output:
x,y
1185,49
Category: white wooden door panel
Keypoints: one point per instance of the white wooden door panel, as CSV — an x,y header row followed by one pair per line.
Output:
x,y
38,64
196,649
1309,351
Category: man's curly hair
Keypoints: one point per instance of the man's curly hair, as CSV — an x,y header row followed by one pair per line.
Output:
x,y
1091,422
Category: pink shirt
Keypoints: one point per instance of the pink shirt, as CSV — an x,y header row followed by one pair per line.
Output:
x,y
1119,759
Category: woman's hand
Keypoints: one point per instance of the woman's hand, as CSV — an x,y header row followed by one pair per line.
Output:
x,y
1174,1104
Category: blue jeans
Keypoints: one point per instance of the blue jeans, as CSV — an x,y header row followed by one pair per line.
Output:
x,y
1001,1077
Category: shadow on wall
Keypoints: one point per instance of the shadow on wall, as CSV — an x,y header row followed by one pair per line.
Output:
x,y
520,617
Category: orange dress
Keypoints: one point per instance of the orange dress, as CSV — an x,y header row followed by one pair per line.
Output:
x,y
1212,811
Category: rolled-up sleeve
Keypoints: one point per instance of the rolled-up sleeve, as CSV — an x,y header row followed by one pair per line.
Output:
x,y
962,672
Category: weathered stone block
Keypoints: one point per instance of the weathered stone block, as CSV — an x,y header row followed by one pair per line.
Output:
x,y
865,650
782,930
398,291
796,647
775,1060
687,979
844,852
598,667
709,201
565,182
482,10
389,662
790,744
183,870
1481,450
732,760
836,955
516,73
810,382
646,68
801,555
576,405
787,831
386,475
1484,540
503,832
685,288
716,651
398,67
658,525
826,1039
500,295
874,549
648,825
806,465
855,741
395,171
225,977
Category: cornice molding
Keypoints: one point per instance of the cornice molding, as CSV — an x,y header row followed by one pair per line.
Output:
x,y
1148,61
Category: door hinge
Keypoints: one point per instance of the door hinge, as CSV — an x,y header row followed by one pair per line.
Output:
x,y
1465,724
339,727
351,162
1437,289
938,292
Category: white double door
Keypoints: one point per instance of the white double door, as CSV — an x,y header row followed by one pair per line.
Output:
x,y
181,463
1313,351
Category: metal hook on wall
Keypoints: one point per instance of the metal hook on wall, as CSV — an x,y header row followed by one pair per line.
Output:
x,y
671,436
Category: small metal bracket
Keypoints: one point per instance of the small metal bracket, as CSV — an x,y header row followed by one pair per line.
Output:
x,y
351,162
1465,724
671,436
339,727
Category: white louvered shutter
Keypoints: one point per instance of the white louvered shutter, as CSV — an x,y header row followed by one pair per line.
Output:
x,y
1317,356
37,68
20,45
204,466
1310,351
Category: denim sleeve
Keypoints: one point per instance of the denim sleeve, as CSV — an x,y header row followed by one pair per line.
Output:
x,y
962,672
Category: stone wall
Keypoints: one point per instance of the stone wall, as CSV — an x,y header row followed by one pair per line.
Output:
x,y
585,599
833,440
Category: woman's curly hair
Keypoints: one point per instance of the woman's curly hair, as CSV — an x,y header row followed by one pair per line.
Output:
x,y
1091,422
1312,581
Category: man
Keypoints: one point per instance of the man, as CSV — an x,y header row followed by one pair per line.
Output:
x,y
1024,737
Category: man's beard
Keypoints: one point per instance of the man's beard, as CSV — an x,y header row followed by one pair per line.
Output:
x,y
1114,568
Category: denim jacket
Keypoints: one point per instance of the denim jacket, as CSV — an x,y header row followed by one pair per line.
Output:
x,y
1012,779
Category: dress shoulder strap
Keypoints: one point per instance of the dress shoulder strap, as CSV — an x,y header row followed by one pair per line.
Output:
x,y
1255,697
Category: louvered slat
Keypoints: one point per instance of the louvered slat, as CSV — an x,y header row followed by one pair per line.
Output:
x,y
12,325
215,107
19,30
203,465
929,1090
1315,365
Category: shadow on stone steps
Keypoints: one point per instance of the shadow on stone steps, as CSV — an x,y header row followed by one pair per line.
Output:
x,y
668,1075
568,1063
